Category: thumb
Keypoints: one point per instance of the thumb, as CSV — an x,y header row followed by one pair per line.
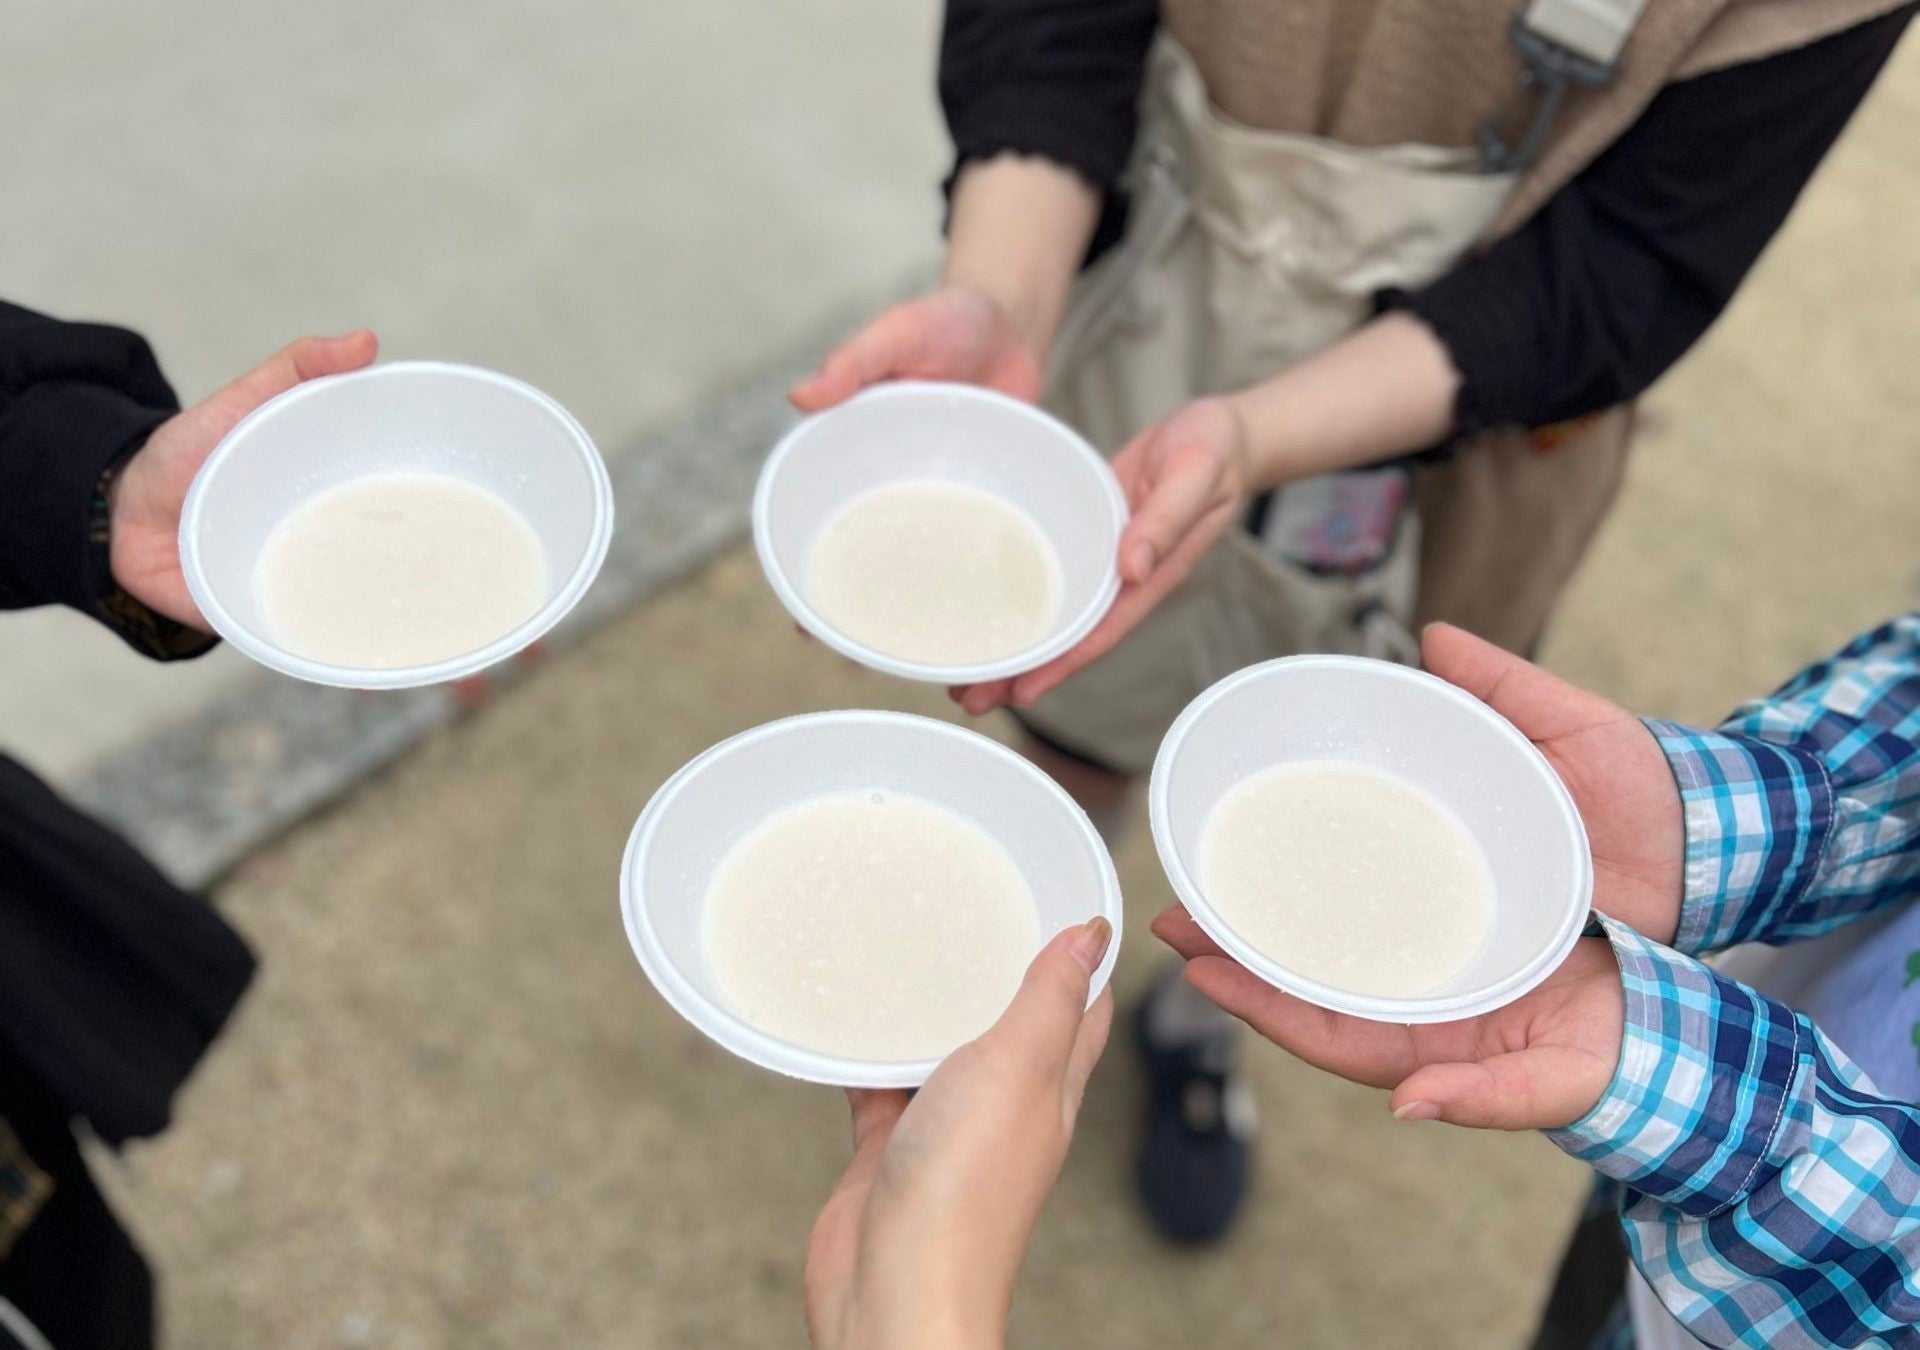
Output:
x,y
1541,705
1042,1023
1535,1089
1169,501
303,360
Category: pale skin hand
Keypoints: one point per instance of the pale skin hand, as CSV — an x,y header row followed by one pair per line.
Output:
x,y
1018,230
958,333
145,498
1185,481
1386,390
1539,1063
1544,1060
1609,761
920,1243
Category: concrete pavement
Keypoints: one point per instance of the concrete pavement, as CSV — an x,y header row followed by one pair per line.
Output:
x,y
635,207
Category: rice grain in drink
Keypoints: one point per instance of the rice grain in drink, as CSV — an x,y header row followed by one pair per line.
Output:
x,y
1348,876
869,925
399,570
937,573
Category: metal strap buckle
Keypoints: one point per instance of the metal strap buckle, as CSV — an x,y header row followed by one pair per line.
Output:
x,y
1551,69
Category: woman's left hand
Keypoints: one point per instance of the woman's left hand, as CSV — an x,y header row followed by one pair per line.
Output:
x,y
919,1245
146,496
1186,479
1540,1062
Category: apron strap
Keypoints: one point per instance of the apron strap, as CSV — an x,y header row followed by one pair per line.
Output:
x,y
1594,30
1563,43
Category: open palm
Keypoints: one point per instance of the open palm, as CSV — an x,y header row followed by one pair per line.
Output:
x,y
957,334
1545,1059
148,493
1185,481
1539,1063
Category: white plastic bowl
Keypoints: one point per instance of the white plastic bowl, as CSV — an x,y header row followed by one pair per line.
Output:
x,y
1422,730
700,812
403,417
916,431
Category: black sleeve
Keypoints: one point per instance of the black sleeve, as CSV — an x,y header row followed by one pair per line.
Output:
x,y
1055,78
1594,298
76,399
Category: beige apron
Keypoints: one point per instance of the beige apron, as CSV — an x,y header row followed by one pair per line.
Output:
x,y
1247,251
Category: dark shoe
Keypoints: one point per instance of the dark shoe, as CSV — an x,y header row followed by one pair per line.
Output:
x,y
1195,1164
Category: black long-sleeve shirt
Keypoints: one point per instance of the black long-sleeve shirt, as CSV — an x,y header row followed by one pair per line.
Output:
x,y
76,399
113,982
1583,306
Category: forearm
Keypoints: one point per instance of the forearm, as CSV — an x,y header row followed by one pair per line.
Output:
x,y
1042,100
1802,810
1602,290
1764,1171
921,1325
1386,390
1019,227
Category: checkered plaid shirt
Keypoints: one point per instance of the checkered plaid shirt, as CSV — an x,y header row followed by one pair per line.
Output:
x,y
1772,1196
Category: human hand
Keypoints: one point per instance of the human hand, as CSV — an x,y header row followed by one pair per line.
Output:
x,y
919,1245
145,497
1185,480
958,333
1541,1062
1619,778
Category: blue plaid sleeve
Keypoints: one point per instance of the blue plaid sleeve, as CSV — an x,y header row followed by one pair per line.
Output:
x,y
1773,1197
1802,810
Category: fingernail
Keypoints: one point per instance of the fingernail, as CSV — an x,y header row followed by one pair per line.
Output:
x,y
1140,560
1091,943
1417,1111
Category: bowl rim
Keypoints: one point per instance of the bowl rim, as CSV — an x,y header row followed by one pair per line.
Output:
x,y
275,657
1468,1003
734,1033
1038,654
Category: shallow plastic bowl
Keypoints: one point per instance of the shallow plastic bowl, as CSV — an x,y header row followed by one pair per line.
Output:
x,y
915,431
722,794
403,417
1426,732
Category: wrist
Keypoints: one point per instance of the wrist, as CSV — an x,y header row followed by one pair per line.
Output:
x,y
916,1325
922,1287
1385,390
1699,1092
1018,230
1270,452
113,497
1748,874
1030,318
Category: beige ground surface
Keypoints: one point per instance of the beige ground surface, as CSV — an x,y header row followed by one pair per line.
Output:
x,y
453,1114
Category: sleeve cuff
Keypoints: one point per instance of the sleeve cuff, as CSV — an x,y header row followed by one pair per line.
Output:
x,y
1757,815
1093,142
63,440
1485,322
1706,1069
